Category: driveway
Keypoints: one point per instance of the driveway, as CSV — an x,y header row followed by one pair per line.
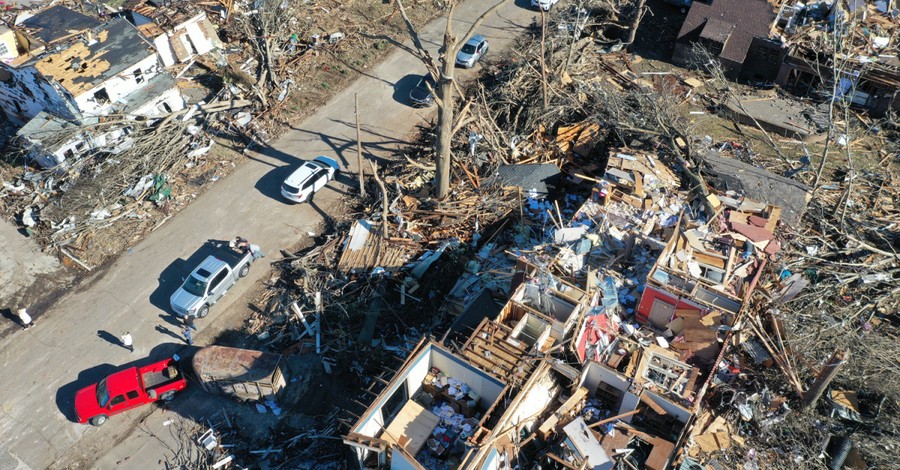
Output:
x,y
73,344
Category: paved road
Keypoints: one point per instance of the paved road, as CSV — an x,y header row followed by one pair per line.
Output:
x,y
43,366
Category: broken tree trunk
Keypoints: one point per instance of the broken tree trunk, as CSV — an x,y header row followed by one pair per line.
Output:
x,y
384,200
825,376
444,89
638,14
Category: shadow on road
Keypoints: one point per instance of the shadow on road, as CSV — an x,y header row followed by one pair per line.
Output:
x,y
404,86
175,273
168,332
65,395
110,338
270,184
327,219
8,314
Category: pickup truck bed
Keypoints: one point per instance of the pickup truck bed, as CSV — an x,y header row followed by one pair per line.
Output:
x,y
158,378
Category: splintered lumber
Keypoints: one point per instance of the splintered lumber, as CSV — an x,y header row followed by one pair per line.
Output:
x,y
614,418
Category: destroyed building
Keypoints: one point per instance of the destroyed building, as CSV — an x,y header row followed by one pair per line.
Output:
x,y
865,60
794,47
180,31
640,287
74,68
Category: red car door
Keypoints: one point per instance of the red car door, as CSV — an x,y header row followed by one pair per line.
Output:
x,y
127,401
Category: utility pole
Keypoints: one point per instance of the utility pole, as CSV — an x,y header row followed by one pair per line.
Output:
x,y
543,54
359,159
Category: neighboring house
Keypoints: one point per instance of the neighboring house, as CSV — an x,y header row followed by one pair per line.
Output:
x,y
101,70
24,92
179,30
77,68
9,47
734,31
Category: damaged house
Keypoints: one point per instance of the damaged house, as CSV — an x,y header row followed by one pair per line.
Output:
x,y
433,408
737,33
794,47
563,376
866,62
179,30
99,70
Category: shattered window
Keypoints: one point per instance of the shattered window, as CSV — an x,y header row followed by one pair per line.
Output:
x,y
138,76
101,96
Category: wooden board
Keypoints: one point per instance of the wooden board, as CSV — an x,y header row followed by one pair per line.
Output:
x,y
411,428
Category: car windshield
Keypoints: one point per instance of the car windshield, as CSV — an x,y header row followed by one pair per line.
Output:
x,y
289,188
318,164
468,49
195,286
102,394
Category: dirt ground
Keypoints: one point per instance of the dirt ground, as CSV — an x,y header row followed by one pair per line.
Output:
x,y
28,277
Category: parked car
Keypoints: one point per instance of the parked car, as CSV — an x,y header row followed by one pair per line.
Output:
x,y
128,389
244,374
421,95
312,176
544,4
472,51
210,281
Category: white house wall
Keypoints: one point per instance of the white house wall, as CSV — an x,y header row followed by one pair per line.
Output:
x,y
416,375
486,387
164,50
594,374
536,399
24,93
680,413
198,38
171,97
119,86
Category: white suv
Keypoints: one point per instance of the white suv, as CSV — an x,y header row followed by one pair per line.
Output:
x,y
544,4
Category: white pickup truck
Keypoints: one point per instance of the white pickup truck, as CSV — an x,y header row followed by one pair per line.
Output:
x,y
209,282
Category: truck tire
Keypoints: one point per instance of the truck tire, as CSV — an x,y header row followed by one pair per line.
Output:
x,y
98,420
168,396
244,270
203,312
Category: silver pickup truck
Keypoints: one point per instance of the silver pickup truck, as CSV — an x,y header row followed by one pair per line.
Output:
x,y
209,282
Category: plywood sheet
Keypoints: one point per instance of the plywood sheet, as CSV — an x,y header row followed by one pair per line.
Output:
x,y
411,428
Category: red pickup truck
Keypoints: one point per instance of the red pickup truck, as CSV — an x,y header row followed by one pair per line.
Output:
x,y
128,389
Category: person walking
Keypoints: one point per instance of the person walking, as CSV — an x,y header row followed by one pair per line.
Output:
x,y
187,336
189,323
25,318
127,341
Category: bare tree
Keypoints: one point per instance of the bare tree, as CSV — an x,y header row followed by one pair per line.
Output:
x,y
442,70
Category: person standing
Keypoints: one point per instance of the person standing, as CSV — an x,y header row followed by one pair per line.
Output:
x,y
187,335
127,341
255,251
189,323
25,318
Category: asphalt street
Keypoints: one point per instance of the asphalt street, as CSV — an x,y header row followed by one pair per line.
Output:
x,y
73,344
